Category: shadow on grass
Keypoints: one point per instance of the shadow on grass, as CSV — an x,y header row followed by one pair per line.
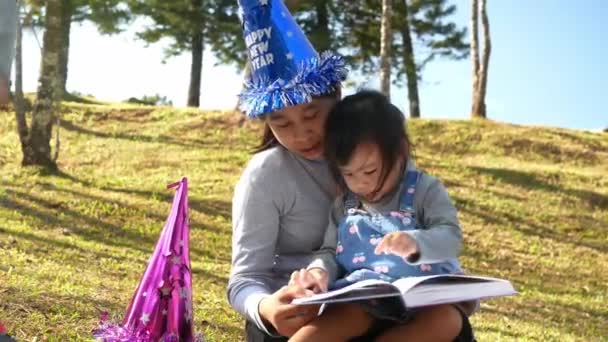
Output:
x,y
522,277
103,232
90,228
528,227
203,206
505,332
180,141
209,276
546,310
531,181
60,244
588,144
206,206
78,311
550,151
570,319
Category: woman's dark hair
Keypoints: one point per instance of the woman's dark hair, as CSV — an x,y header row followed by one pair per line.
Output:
x,y
268,138
365,117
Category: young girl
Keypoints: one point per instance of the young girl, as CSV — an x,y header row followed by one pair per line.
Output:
x,y
391,221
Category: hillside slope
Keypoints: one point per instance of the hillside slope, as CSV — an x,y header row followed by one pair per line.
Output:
x,y
533,203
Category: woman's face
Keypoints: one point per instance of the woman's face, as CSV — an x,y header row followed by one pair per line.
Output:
x,y
301,128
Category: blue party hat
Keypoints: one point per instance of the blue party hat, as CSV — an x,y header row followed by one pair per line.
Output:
x,y
285,68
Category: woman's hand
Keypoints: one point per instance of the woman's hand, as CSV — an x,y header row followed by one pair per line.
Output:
x,y
315,279
287,318
398,243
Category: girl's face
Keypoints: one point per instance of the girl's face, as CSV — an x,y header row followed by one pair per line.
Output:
x,y
363,173
301,128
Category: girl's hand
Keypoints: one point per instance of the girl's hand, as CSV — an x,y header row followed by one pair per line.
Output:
x,y
287,318
398,243
315,279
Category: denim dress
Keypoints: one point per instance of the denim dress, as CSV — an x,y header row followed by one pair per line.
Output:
x,y
360,231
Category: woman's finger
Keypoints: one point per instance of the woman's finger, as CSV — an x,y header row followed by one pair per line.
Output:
x,y
320,286
295,278
303,278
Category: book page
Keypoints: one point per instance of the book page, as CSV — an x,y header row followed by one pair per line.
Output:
x,y
362,289
441,293
418,291
406,284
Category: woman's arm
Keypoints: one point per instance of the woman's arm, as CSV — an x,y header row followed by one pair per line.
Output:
x,y
255,228
256,209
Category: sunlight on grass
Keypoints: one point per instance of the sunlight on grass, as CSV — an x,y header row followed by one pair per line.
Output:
x,y
533,203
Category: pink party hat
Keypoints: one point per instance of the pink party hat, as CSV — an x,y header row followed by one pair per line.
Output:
x,y
161,308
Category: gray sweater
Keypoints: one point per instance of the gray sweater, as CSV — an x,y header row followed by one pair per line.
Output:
x,y
280,212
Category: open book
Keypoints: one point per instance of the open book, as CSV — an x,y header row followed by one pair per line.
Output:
x,y
418,291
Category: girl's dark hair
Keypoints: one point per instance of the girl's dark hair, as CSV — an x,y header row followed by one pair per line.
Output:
x,y
268,138
365,117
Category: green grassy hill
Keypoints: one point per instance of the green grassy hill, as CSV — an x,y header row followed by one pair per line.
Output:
x,y
533,203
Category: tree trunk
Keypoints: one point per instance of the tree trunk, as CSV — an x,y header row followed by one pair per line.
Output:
x,y
291,5
386,39
194,90
48,99
411,72
321,32
478,106
22,129
487,49
66,25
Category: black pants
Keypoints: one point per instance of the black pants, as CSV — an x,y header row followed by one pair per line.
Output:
x,y
254,334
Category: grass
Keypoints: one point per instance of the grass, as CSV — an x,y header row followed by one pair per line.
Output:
x,y
533,203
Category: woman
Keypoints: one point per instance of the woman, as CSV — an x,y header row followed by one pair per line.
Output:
x,y
280,214
281,202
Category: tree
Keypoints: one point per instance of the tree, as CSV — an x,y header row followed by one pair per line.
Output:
x,y
36,148
480,70
421,21
353,28
315,17
22,128
386,41
107,15
409,63
188,24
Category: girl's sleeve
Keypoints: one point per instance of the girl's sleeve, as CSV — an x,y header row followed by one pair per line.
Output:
x,y
440,238
255,228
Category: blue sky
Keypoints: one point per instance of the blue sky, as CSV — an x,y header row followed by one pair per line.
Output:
x,y
548,67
